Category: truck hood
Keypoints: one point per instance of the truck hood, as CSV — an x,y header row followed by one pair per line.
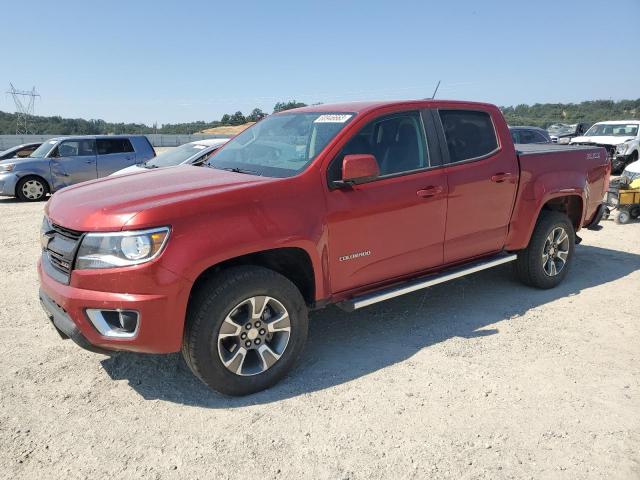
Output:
x,y
109,203
601,140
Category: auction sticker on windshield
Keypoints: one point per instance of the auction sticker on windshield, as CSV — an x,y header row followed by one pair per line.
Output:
x,y
333,118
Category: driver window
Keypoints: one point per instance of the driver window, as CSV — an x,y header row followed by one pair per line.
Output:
x,y
75,148
397,141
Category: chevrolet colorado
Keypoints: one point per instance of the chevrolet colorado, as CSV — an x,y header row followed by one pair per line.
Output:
x,y
348,204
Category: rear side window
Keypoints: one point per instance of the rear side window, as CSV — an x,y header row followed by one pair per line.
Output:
x,y
469,134
108,146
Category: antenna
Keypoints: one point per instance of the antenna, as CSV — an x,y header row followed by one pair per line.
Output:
x,y
435,91
24,107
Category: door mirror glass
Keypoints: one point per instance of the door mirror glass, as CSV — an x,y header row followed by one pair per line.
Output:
x,y
359,168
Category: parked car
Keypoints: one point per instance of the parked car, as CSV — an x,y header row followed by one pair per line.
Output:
x,y
63,161
529,135
632,171
194,153
19,151
348,204
621,139
562,133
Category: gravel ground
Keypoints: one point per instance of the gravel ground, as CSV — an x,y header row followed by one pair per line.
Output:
x,y
478,378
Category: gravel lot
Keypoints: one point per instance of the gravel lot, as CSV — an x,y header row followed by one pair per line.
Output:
x,y
478,378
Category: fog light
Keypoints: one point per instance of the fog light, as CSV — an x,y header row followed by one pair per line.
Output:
x,y
115,323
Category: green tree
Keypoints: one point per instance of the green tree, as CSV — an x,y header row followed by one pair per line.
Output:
x,y
282,106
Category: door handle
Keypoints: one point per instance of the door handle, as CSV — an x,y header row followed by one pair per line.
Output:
x,y
501,177
88,161
430,191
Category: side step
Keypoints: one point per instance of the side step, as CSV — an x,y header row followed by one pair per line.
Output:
x,y
425,282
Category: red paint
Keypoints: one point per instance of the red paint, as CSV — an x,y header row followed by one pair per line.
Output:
x,y
409,224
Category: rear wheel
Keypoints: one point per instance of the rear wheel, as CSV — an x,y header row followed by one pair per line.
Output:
x,y
623,217
246,328
545,262
635,212
32,189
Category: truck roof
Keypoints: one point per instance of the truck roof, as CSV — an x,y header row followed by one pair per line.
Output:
x,y
362,107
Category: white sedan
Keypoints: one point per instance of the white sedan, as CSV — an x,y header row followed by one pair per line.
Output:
x,y
194,153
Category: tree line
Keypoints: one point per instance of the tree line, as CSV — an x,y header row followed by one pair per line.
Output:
x,y
539,114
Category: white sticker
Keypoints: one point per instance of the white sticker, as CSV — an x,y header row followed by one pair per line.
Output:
x,y
199,147
52,142
332,118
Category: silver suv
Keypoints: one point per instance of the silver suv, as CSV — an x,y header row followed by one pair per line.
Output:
x,y
63,161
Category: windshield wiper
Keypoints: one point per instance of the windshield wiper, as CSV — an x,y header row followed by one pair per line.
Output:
x,y
240,170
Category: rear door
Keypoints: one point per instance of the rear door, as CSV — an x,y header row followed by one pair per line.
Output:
x,y
394,225
73,161
114,154
482,178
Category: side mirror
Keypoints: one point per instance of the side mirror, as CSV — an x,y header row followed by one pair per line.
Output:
x,y
359,168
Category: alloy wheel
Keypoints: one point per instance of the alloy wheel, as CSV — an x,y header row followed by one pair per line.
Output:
x,y
254,335
555,252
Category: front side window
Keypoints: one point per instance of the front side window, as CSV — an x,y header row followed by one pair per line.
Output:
x,y
75,148
397,141
107,146
469,134
281,145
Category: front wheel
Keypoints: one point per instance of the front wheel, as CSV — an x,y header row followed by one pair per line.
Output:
x,y
32,189
545,262
246,328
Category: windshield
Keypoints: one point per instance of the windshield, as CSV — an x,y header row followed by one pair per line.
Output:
x,y
561,129
280,145
176,156
43,149
613,130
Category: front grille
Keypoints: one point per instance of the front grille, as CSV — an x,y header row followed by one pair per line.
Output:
x,y
59,262
66,232
60,245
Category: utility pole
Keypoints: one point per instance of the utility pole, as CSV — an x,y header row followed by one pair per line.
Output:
x,y
25,102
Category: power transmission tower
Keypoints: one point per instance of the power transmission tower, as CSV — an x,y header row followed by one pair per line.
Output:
x,y
25,101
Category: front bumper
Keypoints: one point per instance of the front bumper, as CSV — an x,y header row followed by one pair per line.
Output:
x,y
161,314
8,181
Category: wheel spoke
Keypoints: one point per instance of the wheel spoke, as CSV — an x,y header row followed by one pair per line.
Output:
x,y
563,255
562,236
229,329
280,324
552,267
268,356
236,362
258,305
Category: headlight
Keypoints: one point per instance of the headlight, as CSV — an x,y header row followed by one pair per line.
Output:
x,y
621,148
7,167
121,249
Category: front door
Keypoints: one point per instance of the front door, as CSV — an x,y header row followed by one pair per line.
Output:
x,y
482,181
392,226
73,161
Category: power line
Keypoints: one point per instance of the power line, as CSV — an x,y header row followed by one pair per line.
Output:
x,y
25,103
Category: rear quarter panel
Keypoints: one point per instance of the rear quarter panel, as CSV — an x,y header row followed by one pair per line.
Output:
x,y
582,172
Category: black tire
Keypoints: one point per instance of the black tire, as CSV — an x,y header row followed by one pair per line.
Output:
x,y
635,212
38,193
218,298
606,214
530,266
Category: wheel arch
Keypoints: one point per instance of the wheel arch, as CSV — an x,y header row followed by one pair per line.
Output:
x,y
294,263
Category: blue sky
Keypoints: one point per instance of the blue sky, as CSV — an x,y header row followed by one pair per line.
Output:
x,y
145,61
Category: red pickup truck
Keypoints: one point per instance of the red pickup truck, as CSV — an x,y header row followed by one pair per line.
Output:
x,y
349,204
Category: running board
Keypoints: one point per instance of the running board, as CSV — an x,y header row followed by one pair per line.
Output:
x,y
425,282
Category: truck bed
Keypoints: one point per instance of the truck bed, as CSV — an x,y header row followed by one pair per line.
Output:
x,y
542,148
